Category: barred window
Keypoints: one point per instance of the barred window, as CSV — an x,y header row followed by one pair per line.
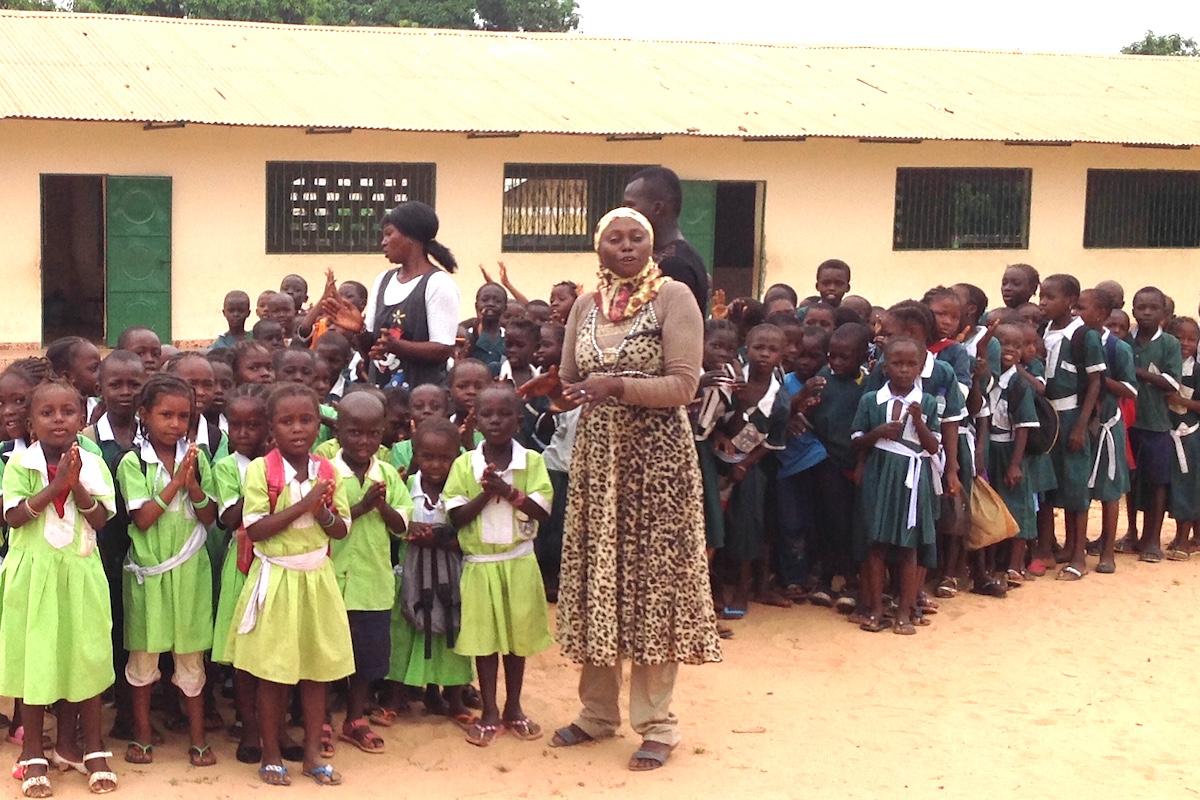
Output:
x,y
967,209
1142,208
335,207
553,208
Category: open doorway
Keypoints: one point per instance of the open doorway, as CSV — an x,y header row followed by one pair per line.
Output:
x,y
73,257
737,236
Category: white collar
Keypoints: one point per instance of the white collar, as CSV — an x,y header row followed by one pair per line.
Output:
x,y
104,429
479,461
1065,331
506,373
18,446
885,395
417,489
1157,334
927,370
34,458
767,402
202,434
150,456
241,460
290,474
1007,376
374,471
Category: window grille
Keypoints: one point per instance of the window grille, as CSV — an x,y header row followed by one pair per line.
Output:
x,y
336,207
554,208
961,209
1142,208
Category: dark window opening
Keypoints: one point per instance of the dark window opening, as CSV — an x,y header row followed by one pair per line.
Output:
x,y
335,207
1142,208
73,256
736,240
554,208
961,209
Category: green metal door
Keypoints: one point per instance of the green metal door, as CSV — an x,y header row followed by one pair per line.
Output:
x,y
137,255
698,220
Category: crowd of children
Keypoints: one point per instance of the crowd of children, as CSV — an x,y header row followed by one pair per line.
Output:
x,y
283,528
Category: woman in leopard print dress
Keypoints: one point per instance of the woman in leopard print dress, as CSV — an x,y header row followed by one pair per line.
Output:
x,y
634,577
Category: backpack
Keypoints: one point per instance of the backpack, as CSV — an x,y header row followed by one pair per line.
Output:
x,y
275,484
1041,440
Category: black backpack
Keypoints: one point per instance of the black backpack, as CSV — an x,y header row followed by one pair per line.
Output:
x,y
1041,439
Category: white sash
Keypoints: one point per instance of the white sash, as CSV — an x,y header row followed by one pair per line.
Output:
x,y
520,551
1177,436
192,546
303,562
1066,403
913,479
1106,444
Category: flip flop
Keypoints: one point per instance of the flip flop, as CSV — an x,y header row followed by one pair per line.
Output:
x,y
569,736
1175,554
728,612
482,735
845,604
1070,573
1105,568
280,773
904,628
821,598
947,588
874,624
464,721
1150,557
383,717
324,775
524,729
327,748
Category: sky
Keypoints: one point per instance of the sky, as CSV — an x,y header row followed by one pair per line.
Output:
x,y
1100,26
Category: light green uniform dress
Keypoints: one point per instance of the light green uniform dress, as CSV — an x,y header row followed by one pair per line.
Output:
x,y
170,612
503,599
898,488
409,666
228,475
301,632
362,561
56,627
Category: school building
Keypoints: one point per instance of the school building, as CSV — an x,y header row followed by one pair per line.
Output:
x,y
150,165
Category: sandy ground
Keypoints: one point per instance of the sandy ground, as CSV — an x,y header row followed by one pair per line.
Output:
x,y
1059,689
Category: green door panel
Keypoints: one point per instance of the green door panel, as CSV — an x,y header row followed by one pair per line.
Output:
x,y
698,220
138,255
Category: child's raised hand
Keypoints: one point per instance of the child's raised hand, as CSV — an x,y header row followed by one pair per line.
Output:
x,y
547,384
914,413
330,286
493,484
717,377
374,495
487,278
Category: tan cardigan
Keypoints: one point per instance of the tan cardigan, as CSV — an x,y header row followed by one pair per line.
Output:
x,y
683,349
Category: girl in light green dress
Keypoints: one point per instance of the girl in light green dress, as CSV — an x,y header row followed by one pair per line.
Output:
x,y
247,415
55,630
290,625
167,585
496,496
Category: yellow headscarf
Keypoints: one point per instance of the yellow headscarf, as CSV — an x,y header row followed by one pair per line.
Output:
x,y
622,298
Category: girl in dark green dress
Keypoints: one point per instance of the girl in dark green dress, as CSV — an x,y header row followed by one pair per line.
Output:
x,y
894,433
1184,406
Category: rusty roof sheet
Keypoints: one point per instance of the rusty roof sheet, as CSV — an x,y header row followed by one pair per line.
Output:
x,y
147,69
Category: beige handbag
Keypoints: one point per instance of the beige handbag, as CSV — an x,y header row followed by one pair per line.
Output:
x,y
990,520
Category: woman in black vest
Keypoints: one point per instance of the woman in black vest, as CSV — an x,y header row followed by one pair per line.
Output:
x,y
411,318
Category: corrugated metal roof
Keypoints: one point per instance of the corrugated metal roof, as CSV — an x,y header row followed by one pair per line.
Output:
x,y
125,68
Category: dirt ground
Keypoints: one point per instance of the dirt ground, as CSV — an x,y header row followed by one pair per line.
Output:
x,y
1061,689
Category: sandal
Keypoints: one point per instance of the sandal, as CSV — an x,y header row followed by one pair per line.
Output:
x,y
657,757
904,628
1175,554
1070,573
274,775
1036,568
1150,556
729,612
570,736
361,736
40,783
327,748
845,604
482,735
383,717
524,729
201,756
821,598
101,775
138,753
990,588
464,721
292,752
66,764
947,588
471,698
1014,578
874,624
324,775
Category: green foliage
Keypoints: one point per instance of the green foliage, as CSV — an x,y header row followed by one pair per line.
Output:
x,y
1172,44
492,15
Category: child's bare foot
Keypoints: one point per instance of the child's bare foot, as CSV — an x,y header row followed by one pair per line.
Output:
x,y
524,728
904,627
201,756
1107,565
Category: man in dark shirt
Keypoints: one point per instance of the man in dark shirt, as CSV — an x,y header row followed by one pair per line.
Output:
x,y
655,193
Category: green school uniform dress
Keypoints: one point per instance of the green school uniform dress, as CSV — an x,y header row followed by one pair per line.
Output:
x,y
898,490
56,625
228,475
362,562
1110,470
1065,386
764,425
503,598
1011,401
1160,355
301,632
1039,469
1184,504
712,404
170,611
409,666
833,418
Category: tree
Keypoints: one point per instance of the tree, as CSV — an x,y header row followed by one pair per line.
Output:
x,y
1172,44
492,15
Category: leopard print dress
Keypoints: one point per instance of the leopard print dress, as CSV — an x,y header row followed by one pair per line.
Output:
x,y
634,581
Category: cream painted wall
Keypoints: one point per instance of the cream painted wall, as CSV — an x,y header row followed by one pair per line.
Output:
x,y
824,198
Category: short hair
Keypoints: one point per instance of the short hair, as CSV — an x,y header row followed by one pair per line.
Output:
x,y
284,391
1176,323
291,276
62,351
243,348
845,316
714,326
171,365
821,305
557,329
571,285
435,426
975,296
258,391
235,294
1029,272
1068,283
445,392
463,363
393,396
1162,296
1104,298
264,328
662,184
337,339
912,313
939,293
491,285
537,302
781,290
816,335
222,355
894,342
286,352
119,357
746,312
528,327
165,384
123,339
358,288
834,263
855,333
764,328
783,319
